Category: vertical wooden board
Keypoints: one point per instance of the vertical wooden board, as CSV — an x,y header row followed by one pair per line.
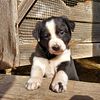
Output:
x,y
14,31
8,33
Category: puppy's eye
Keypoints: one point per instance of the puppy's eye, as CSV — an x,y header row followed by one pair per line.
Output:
x,y
61,33
45,36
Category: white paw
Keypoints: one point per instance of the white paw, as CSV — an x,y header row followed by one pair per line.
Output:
x,y
58,87
33,83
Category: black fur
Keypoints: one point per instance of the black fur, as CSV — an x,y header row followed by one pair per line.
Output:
x,y
69,68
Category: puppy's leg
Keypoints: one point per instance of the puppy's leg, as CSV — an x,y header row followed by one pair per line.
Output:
x,y
60,82
66,70
37,73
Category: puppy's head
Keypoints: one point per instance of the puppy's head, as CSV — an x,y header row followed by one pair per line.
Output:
x,y
54,34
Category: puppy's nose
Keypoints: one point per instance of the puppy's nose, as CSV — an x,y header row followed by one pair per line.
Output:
x,y
56,47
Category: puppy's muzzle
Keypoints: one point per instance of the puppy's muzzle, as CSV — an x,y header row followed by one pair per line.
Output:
x,y
56,47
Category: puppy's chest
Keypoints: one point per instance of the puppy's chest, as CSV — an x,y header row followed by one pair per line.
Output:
x,y
51,68
52,65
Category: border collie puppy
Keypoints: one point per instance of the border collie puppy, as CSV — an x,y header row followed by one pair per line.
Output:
x,y
52,56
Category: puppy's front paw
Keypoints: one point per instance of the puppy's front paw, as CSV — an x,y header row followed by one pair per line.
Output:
x,y
33,83
58,87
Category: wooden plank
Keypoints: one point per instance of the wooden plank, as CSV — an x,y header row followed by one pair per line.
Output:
x,y
8,33
46,8
85,50
23,9
87,11
12,88
14,31
78,51
84,32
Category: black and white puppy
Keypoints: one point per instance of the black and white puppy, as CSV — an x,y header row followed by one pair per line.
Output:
x,y
52,56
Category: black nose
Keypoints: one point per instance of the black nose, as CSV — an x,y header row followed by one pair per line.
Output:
x,y
56,47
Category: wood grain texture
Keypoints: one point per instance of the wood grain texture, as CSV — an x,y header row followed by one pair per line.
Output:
x,y
87,11
12,88
83,32
23,8
80,50
8,33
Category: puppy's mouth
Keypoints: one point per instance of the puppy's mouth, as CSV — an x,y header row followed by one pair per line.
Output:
x,y
56,52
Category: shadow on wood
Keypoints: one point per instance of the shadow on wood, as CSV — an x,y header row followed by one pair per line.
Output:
x,y
6,83
96,27
81,97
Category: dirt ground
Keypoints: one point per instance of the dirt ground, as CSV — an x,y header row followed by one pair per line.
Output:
x,y
88,69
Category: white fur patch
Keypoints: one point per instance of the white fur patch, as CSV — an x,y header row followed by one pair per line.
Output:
x,y
49,67
53,63
65,56
62,78
59,42
39,62
50,25
37,73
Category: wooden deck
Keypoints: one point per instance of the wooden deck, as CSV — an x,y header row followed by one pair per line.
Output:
x,y
12,88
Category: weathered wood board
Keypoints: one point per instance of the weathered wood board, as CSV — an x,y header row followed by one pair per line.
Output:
x,y
84,32
86,11
23,8
8,34
82,50
12,88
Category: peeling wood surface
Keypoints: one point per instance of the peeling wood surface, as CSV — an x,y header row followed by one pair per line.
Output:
x,y
12,88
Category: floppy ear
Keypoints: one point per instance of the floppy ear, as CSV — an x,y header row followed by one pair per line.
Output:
x,y
36,31
72,25
69,23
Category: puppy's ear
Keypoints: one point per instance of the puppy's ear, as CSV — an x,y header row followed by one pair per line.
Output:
x,y
36,31
69,23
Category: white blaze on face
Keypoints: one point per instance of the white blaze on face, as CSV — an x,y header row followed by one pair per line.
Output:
x,y
51,26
